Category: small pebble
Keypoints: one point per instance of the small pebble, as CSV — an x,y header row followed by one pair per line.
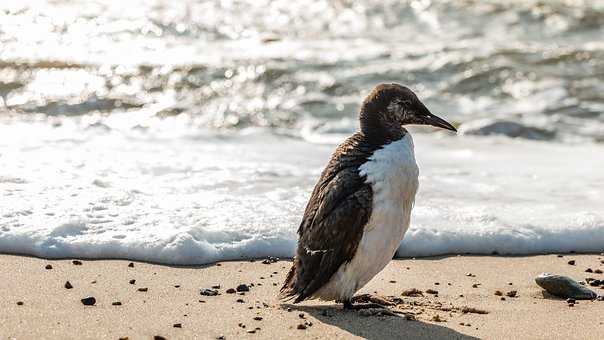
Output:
x,y
251,331
498,293
243,288
436,283
511,293
131,265
571,305
240,301
301,316
221,337
475,285
571,300
231,291
76,262
68,285
431,291
19,303
89,301
144,289
48,266
301,326
502,298
589,270
216,287
176,286
258,318
133,281
208,292
116,303
598,271
177,325
158,337
571,262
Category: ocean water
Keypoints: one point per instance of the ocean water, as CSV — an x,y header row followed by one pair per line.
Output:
x,y
193,132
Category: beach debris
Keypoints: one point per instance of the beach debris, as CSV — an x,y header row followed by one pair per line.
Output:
x,y
473,310
270,260
216,287
564,287
48,266
502,298
571,262
243,288
498,293
88,301
208,292
116,303
589,270
251,331
143,289
412,292
431,291
19,303
68,285
131,265
240,301
231,291
77,262
437,318
470,275
258,318
176,286
301,326
511,293
133,281
475,285
177,325
598,271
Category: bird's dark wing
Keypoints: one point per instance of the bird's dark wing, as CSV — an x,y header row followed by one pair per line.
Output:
x,y
333,221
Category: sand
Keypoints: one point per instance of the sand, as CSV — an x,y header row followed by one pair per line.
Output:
x,y
50,311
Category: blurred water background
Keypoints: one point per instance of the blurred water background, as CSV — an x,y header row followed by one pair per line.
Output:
x,y
193,131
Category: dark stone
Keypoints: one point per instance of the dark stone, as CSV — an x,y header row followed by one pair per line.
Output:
x,y
116,303
159,337
216,286
177,325
564,287
208,292
48,266
19,303
301,326
511,293
131,265
76,262
258,318
133,281
589,270
243,288
144,289
68,285
88,301
431,291
571,262
231,291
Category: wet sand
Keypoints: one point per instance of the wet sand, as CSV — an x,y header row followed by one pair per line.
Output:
x,y
35,303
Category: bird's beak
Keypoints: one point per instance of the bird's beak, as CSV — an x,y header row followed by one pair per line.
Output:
x,y
427,118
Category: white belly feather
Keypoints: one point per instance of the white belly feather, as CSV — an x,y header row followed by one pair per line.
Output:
x,y
393,175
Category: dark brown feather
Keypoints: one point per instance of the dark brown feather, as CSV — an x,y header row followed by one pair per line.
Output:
x,y
333,221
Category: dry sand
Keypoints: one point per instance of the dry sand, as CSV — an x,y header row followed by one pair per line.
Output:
x,y
50,311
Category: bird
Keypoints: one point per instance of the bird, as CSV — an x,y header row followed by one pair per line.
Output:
x,y
360,208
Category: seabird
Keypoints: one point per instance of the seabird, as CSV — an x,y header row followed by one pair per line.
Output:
x,y
360,208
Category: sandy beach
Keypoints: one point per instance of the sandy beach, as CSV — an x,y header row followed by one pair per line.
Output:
x,y
141,301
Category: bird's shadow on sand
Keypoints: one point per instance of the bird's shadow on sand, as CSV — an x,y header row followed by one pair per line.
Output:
x,y
378,327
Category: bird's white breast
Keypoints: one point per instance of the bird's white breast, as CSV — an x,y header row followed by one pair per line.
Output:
x,y
393,175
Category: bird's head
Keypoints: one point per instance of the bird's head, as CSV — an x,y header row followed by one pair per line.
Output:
x,y
390,106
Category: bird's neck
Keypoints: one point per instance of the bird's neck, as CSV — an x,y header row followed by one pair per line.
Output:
x,y
379,126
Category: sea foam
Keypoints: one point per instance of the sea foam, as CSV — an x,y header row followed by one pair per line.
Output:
x,y
199,198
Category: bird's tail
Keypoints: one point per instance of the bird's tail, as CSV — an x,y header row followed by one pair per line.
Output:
x,y
288,291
